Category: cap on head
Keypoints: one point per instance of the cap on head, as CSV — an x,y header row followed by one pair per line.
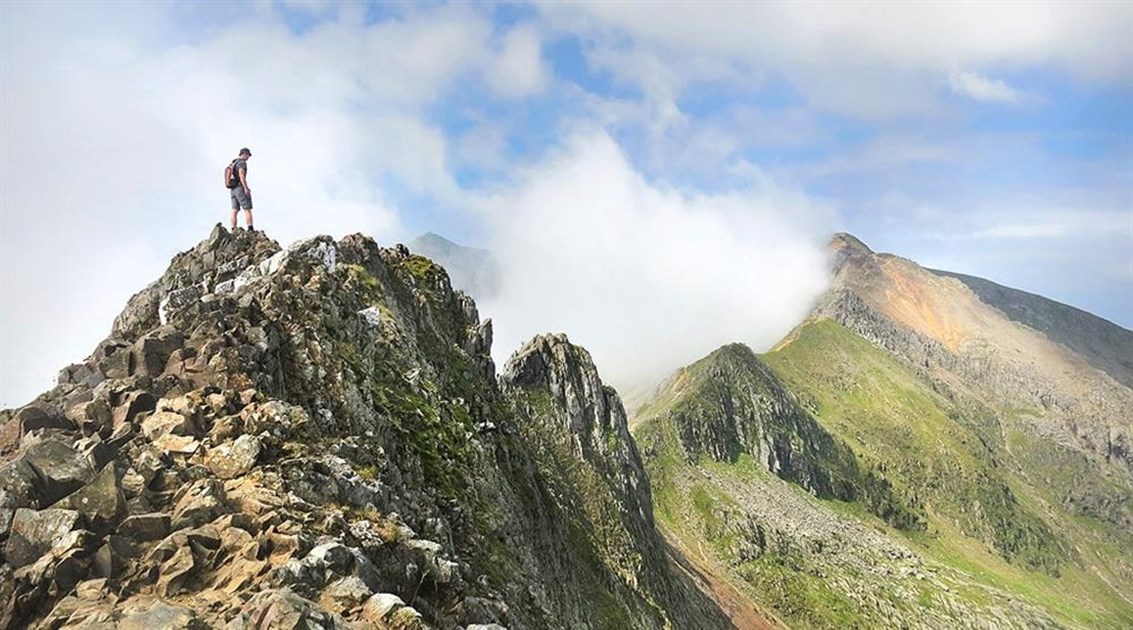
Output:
x,y
246,152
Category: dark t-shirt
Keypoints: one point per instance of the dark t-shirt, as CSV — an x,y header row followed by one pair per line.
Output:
x,y
235,178
239,165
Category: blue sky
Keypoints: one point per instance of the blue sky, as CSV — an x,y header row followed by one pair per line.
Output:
x,y
658,178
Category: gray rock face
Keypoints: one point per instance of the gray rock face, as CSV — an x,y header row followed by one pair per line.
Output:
x,y
18,485
34,533
285,610
577,426
145,527
35,417
161,615
100,502
234,459
59,469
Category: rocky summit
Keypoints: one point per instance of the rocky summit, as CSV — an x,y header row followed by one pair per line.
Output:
x,y
315,437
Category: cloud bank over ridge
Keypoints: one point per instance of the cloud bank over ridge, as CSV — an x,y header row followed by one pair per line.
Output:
x,y
649,278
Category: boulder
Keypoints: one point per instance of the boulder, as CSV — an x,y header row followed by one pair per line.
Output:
x,y
120,436
198,504
345,594
96,450
386,610
39,416
226,428
160,614
145,527
176,571
380,607
6,516
91,590
234,459
116,363
149,462
78,374
183,445
333,557
34,532
163,423
282,609
9,435
91,416
150,353
100,502
136,402
18,485
407,618
60,469
111,560
71,559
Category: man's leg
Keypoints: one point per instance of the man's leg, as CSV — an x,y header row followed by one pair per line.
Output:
x,y
234,219
247,218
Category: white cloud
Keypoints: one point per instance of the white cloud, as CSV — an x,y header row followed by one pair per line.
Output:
x,y
518,69
982,88
1055,223
1049,230
872,59
649,278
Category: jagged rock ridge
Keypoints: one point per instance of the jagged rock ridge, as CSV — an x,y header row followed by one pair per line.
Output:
x,y
314,437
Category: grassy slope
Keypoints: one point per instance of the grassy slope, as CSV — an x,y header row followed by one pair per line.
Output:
x,y
991,493
983,508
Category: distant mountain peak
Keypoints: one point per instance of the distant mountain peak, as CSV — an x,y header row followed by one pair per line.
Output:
x,y
845,240
471,270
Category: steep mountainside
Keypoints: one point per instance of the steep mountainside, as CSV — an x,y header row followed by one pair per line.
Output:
x,y
997,457
1105,345
965,346
315,438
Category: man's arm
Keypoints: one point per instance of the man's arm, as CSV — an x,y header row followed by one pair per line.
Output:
x,y
244,179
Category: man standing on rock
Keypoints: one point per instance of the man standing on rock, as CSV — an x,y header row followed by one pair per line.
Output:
x,y
241,194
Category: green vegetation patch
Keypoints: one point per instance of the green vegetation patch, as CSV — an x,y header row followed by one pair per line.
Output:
x,y
909,434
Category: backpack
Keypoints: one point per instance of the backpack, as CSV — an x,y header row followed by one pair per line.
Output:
x,y
231,177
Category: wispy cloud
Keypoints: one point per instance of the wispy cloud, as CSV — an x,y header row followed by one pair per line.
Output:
x,y
1057,223
1041,230
981,88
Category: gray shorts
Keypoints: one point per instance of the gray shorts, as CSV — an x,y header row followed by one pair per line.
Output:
x,y
240,199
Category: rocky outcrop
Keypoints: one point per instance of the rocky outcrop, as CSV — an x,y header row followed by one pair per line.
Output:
x,y
730,404
312,437
577,427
